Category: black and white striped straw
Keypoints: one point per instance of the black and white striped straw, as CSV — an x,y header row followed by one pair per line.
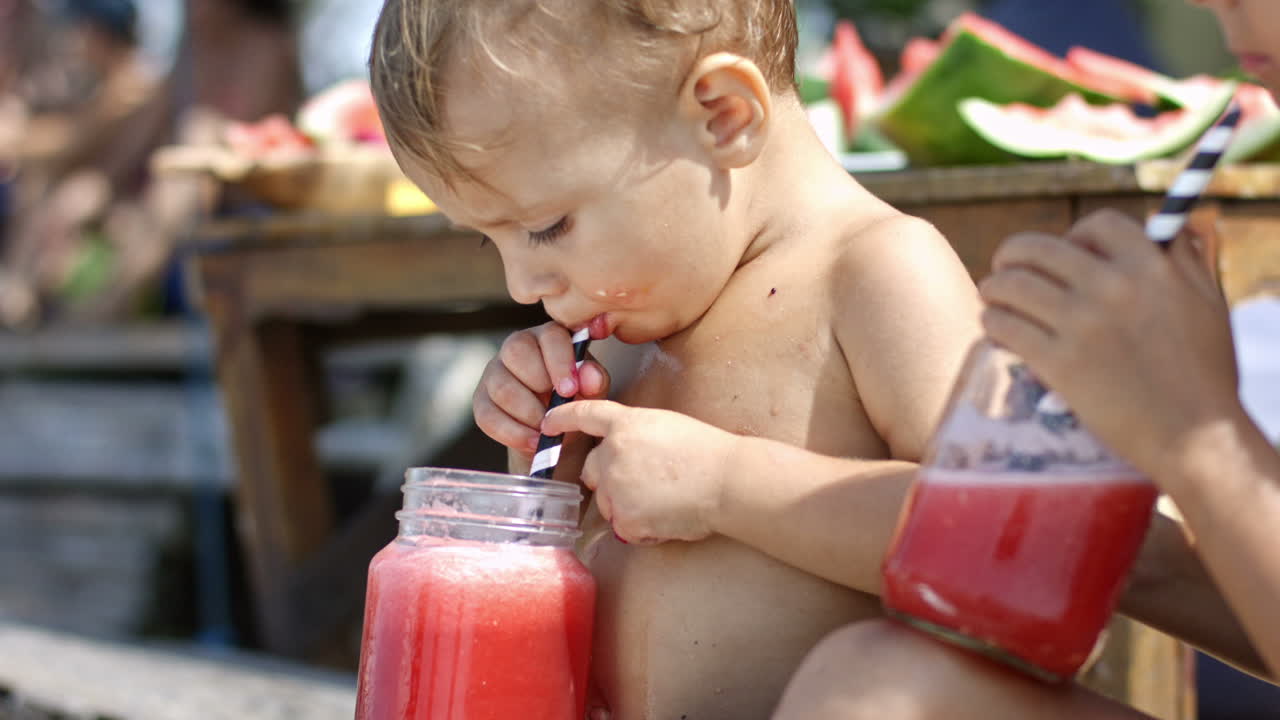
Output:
x,y
1165,225
548,454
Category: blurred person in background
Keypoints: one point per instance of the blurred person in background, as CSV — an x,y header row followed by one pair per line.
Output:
x,y
93,230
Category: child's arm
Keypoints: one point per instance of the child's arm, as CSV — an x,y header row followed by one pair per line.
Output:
x,y
670,477
1139,344
908,315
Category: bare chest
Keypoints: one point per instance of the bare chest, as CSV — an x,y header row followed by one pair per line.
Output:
x,y
770,368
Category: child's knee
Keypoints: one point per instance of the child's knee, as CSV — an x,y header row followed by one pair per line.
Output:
x,y
869,669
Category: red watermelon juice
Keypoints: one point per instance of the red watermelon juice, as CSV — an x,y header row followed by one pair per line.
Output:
x,y
1026,567
479,610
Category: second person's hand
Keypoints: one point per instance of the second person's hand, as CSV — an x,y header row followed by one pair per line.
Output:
x,y
1135,339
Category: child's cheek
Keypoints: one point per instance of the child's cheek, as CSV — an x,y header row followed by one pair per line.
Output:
x,y
622,297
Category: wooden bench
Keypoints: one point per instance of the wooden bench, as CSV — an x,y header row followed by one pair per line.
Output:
x,y
48,676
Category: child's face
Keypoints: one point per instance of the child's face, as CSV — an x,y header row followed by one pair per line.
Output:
x,y
1252,31
612,221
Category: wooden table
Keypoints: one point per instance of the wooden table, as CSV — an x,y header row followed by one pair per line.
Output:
x,y
279,290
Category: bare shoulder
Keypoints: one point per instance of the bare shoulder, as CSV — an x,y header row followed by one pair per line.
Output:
x,y
894,248
907,313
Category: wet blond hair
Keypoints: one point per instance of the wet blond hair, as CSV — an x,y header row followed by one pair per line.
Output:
x,y
648,44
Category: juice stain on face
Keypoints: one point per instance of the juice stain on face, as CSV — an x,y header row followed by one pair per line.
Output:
x,y
621,296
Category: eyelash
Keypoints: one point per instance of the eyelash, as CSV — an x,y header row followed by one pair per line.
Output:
x,y
551,234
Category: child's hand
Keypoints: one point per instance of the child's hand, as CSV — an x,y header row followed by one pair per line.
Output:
x,y
657,474
1135,339
516,386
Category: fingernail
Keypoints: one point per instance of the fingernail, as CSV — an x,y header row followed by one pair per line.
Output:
x,y
567,388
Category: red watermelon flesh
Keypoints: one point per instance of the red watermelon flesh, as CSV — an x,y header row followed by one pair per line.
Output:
x,y
856,80
918,53
1116,121
344,113
1103,133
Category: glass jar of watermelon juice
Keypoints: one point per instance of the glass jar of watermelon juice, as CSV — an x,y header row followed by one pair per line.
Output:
x,y
1021,527
479,609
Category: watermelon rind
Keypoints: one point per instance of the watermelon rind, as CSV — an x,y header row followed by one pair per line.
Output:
x,y
1258,142
812,88
925,121
1025,137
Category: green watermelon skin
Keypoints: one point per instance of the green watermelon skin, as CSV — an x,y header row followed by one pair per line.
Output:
x,y
925,121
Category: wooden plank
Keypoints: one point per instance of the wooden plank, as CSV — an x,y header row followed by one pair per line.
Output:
x,y
976,229
999,182
154,347
1249,250
45,674
1260,180
311,228
139,435
446,273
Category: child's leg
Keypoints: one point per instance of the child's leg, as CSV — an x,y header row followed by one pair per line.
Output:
x,y
879,669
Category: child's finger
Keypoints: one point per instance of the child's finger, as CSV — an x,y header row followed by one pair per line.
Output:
x,y
556,346
521,356
504,390
1190,261
1026,292
1052,256
1113,235
593,379
503,428
593,417
1016,332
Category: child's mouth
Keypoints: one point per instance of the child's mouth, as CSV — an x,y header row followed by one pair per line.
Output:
x,y
599,327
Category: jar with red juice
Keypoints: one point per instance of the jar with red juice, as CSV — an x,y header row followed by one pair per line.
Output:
x,y
479,609
1021,527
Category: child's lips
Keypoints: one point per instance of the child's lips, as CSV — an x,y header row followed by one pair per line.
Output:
x,y
600,327
1253,62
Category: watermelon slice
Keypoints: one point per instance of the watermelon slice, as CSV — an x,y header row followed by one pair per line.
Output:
x,y
1129,81
856,80
979,59
342,114
1258,139
1107,134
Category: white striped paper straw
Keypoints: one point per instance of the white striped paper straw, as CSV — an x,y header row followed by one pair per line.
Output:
x,y
548,454
1165,225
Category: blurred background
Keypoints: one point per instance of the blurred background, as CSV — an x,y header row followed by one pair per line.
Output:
x,y
117,470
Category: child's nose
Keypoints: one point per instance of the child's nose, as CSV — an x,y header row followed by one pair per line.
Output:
x,y
530,285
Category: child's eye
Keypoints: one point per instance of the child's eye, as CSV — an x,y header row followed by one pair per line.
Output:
x,y
550,234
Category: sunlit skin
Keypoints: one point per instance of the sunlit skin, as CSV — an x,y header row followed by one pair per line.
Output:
x,y
762,295
1099,313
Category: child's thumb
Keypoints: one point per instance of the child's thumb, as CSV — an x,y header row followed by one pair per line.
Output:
x,y
593,380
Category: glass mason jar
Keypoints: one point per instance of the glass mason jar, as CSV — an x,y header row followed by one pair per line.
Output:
x,y
479,609
1020,529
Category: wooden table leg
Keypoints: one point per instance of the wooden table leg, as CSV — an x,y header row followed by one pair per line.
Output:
x,y
284,506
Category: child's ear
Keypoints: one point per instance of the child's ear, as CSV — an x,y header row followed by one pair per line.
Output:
x,y
727,101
